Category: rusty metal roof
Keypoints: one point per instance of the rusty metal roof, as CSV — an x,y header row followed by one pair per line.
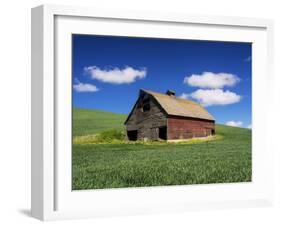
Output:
x,y
180,107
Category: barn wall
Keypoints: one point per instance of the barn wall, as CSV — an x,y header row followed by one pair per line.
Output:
x,y
147,123
184,128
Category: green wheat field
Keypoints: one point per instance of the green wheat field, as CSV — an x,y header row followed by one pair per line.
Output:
x,y
101,158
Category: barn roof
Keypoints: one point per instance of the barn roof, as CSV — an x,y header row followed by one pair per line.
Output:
x,y
180,107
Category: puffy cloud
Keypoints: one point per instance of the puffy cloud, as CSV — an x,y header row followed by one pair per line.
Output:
x,y
116,75
234,123
84,87
209,97
184,96
211,80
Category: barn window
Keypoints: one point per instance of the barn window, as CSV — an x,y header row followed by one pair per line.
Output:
x,y
163,133
146,105
132,135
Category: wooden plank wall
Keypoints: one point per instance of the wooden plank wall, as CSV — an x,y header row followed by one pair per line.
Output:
x,y
147,123
184,128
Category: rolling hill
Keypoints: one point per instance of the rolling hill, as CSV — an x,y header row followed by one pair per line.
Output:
x,y
95,121
97,166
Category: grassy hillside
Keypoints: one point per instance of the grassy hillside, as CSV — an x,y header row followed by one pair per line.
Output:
x,y
133,165
94,121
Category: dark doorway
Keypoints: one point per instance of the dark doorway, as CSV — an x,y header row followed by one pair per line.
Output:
x,y
163,133
132,135
213,132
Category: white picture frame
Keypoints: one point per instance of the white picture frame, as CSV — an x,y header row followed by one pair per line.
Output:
x,y
52,197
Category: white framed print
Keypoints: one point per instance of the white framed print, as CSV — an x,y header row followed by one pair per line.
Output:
x,y
142,112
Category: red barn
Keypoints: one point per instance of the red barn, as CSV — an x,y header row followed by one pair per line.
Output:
x,y
157,116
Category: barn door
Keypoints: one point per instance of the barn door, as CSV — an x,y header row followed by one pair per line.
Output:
x,y
132,135
163,133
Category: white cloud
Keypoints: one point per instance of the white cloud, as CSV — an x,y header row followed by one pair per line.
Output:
x,y
234,123
84,87
211,80
184,96
209,97
249,126
116,75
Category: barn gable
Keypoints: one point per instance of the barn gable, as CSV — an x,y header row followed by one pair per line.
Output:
x,y
145,117
140,101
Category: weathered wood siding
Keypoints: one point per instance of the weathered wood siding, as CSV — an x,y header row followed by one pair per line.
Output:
x,y
147,123
185,128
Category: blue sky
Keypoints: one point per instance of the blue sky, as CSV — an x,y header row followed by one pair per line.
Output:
x,y
109,71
